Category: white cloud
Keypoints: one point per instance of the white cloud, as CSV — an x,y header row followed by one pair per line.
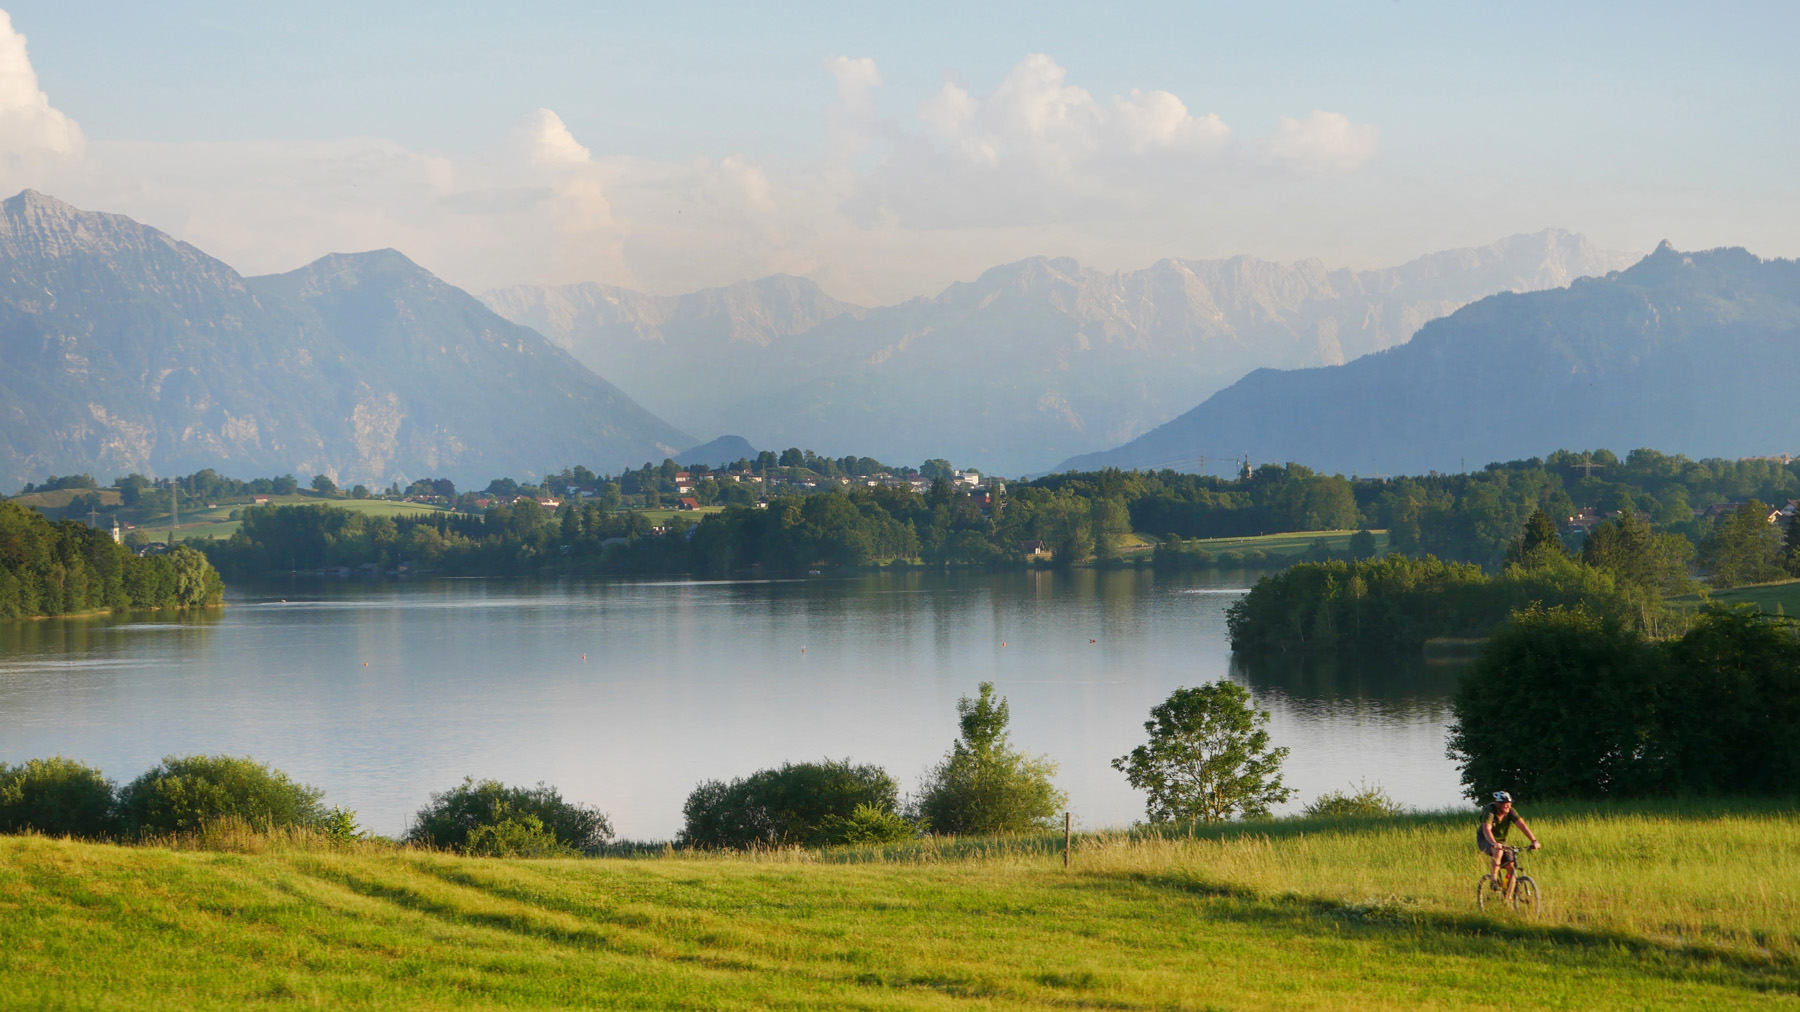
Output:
x,y
855,80
1324,141
1036,165
551,143
1157,119
33,132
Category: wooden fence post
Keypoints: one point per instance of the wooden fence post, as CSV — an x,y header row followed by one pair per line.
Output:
x,y
1066,824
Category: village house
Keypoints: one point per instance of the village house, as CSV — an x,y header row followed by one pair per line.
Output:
x,y
690,503
1033,550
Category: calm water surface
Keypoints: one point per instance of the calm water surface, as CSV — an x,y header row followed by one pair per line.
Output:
x,y
627,694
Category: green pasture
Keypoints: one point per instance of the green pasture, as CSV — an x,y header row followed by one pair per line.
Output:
x,y
661,518
60,498
215,522
1285,544
1674,907
1781,597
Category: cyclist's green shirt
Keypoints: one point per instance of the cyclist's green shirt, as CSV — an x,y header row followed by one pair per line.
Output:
x,y
1498,824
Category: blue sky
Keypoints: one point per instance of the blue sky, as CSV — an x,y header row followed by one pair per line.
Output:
x,y
716,142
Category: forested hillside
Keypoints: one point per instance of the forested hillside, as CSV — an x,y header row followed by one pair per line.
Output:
x,y
70,568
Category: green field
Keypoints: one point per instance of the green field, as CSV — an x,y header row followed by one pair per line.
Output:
x,y
214,523
660,518
1675,908
1285,544
1781,597
60,498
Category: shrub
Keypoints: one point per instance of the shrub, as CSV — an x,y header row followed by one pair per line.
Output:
x,y
984,786
868,824
515,835
182,793
57,797
1368,799
453,817
804,804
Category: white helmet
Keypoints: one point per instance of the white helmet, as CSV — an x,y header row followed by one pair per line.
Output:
x,y
1501,797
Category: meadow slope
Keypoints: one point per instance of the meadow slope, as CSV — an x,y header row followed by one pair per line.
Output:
x,y
1671,908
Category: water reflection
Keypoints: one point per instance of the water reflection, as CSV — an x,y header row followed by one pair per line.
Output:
x,y
626,694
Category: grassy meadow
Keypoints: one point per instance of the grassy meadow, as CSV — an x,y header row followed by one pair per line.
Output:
x,y
216,522
1781,597
1286,544
1675,907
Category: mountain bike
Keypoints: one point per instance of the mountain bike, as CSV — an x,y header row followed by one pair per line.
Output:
x,y
1512,887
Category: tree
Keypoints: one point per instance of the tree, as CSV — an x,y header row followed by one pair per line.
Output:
x,y
1626,547
1560,703
936,467
1538,537
984,785
321,483
1743,548
1208,757
1362,545
1790,546
287,484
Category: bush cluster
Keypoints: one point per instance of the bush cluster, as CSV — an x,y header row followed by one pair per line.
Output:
x,y
804,804
982,786
488,817
182,794
1570,703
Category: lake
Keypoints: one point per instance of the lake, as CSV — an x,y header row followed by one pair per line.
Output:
x,y
626,694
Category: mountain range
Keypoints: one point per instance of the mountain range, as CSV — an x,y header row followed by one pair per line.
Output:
x,y
1682,352
125,350
1028,364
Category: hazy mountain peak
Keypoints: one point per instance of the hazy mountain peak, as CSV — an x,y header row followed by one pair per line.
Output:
x,y
123,350
1683,351
1026,359
37,224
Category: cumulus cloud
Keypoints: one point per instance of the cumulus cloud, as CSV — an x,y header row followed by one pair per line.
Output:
x,y
1324,141
551,143
31,129
1039,150
892,207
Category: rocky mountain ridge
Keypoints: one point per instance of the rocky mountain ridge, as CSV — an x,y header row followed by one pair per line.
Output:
x,y
1682,352
125,350
1023,366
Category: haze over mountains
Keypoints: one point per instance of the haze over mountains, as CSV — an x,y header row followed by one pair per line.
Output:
x,y
1024,366
122,349
1683,352
126,350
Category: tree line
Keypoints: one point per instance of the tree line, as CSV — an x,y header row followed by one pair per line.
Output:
x,y
1568,702
1396,603
1208,758
69,568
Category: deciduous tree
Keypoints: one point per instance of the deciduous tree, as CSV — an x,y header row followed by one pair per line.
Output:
x,y
1208,758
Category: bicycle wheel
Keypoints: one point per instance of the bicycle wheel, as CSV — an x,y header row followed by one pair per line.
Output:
x,y
1525,895
1483,890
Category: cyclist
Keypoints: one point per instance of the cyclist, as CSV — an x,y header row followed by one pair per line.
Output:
x,y
1490,836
